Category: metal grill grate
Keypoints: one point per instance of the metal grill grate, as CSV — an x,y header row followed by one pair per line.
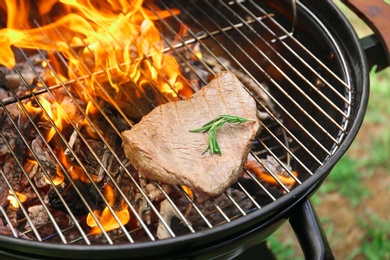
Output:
x,y
294,77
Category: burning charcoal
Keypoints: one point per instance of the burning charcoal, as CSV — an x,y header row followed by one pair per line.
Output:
x,y
12,213
39,177
3,192
20,152
7,128
167,212
27,73
260,173
4,230
3,94
155,193
280,171
44,156
107,161
37,215
73,200
127,186
120,123
88,158
11,137
13,172
72,140
14,80
143,206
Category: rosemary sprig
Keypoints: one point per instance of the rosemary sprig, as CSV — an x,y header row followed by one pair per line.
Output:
x,y
211,129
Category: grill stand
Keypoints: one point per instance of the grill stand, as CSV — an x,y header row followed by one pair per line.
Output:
x,y
309,232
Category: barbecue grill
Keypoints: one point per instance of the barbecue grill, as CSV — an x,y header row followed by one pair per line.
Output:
x,y
300,60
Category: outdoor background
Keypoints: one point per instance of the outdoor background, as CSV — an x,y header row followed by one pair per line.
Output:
x,y
353,202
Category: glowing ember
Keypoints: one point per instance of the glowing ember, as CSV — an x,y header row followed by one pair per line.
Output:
x,y
188,191
12,199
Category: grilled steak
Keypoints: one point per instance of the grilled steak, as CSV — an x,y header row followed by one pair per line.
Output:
x,y
161,147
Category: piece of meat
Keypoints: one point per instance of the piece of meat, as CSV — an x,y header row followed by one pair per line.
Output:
x,y
161,147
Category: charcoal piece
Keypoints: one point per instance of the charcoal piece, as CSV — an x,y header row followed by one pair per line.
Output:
x,y
37,215
4,229
12,213
73,200
12,172
9,133
155,194
20,152
257,192
3,192
167,212
260,173
44,156
178,227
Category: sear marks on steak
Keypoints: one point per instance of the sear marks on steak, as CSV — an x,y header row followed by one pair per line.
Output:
x,y
161,147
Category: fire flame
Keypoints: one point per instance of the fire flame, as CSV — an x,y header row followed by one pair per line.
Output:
x,y
14,202
105,217
110,48
118,38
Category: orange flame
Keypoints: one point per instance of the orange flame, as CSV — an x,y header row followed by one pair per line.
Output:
x,y
105,217
115,38
76,172
188,191
107,45
11,197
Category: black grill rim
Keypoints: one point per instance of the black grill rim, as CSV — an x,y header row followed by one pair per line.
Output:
x,y
270,213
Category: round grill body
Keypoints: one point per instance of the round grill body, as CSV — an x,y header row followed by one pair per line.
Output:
x,y
305,67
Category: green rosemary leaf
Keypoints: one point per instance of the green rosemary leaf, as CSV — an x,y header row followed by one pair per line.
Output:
x,y
211,129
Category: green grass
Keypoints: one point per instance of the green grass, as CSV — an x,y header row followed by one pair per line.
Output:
x,y
346,180
379,152
284,250
375,241
378,109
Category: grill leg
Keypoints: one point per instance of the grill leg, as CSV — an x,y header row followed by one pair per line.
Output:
x,y
310,234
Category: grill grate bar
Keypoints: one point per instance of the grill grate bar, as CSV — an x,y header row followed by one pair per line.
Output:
x,y
200,213
279,138
276,84
182,217
264,189
249,196
294,52
289,152
20,205
219,209
58,132
305,48
272,98
114,154
247,25
8,221
21,135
